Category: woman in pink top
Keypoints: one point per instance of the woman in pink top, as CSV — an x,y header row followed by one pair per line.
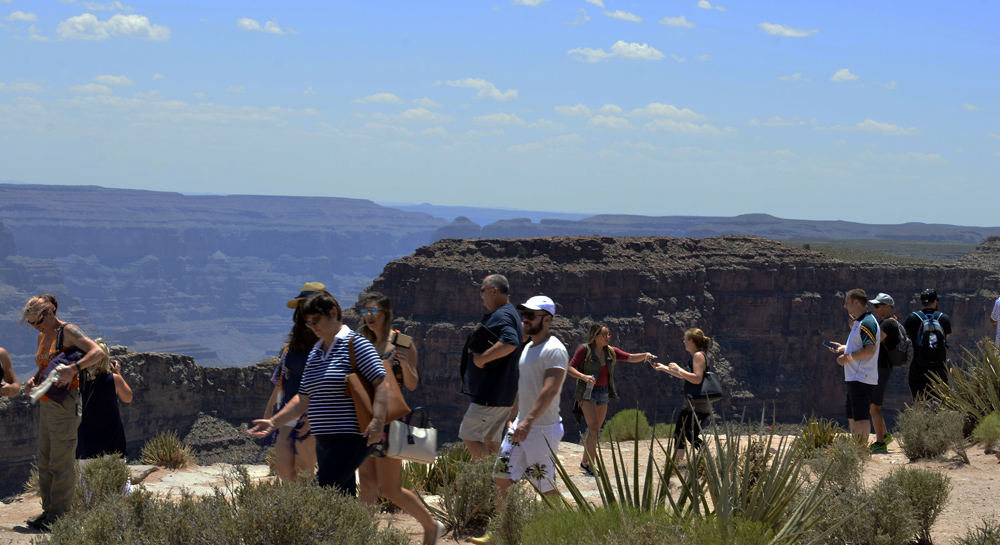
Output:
x,y
594,364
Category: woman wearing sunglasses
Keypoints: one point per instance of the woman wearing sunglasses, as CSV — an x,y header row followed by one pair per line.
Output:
x,y
399,357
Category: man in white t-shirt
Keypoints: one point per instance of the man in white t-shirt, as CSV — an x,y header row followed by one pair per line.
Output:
x,y
535,415
995,317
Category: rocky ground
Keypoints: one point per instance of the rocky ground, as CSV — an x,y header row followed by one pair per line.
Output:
x,y
976,487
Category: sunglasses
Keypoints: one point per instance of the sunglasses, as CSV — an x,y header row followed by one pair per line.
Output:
x,y
372,311
41,317
312,323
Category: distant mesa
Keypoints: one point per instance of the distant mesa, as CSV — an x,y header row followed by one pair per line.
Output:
x,y
462,227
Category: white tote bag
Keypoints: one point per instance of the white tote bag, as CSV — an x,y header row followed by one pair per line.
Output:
x,y
415,441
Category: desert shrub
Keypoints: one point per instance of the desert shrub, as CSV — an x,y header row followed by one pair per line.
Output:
x,y
519,507
974,385
843,460
468,500
166,450
925,491
246,512
870,516
817,433
928,433
663,430
987,533
429,477
100,479
622,426
31,485
987,430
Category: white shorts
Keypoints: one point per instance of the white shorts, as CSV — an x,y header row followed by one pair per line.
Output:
x,y
530,457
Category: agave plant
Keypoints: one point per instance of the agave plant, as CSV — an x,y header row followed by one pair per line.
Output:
x,y
974,386
733,476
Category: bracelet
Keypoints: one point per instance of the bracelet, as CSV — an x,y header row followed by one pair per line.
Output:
x,y
848,356
77,364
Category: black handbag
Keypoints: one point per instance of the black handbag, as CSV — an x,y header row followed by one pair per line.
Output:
x,y
710,387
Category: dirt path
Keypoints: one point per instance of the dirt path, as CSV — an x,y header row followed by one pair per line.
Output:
x,y
975,491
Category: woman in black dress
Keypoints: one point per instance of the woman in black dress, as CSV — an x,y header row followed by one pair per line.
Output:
x,y
101,431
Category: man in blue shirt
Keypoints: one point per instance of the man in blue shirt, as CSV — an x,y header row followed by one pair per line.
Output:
x,y
490,382
859,358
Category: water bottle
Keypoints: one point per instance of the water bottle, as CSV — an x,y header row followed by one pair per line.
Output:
x,y
588,393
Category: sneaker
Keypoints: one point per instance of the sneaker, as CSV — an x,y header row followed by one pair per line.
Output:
x,y
39,522
888,438
489,539
880,448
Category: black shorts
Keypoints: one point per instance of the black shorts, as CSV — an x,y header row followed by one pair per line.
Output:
x,y
859,400
878,394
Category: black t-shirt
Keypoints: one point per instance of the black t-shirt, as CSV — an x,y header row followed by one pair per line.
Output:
x,y
496,384
890,342
912,326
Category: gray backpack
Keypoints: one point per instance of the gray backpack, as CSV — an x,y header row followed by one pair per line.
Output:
x,y
902,355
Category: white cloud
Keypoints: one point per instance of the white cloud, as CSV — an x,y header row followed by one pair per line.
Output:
x,y
869,125
379,98
704,4
436,132
546,125
680,22
201,95
574,111
270,27
388,130
890,85
686,127
784,153
529,3
486,89
656,109
113,80
91,89
623,15
498,119
110,6
786,31
149,95
158,76
705,58
598,3
581,17
997,136
776,121
609,122
21,87
89,27
35,34
970,107
611,109
844,75
425,103
309,90
236,89
414,115
676,58
621,49
794,77
22,16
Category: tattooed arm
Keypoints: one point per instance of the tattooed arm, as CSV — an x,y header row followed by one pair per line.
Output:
x,y
73,336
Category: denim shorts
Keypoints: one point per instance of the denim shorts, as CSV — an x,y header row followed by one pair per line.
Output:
x,y
599,395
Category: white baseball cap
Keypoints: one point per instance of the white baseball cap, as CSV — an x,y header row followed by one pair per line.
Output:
x,y
539,302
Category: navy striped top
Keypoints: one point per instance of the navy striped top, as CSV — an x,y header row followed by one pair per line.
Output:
x,y
323,380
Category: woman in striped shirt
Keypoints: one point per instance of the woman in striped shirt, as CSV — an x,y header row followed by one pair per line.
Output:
x,y
340,447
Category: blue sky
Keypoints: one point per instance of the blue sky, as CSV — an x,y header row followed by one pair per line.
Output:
x,y
881,112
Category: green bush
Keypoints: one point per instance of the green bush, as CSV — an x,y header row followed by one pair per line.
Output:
x,y
987,533
622,427
663,430
843,462
987,431
429,477
928,433
101,479
518,509
31,485
469,499
973,386
817,433
246,512
166,450
870,516
925,491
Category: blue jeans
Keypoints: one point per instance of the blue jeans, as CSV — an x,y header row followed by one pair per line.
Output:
x,y
339,456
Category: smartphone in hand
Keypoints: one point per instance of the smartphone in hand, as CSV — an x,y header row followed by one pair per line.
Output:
x,y
829,345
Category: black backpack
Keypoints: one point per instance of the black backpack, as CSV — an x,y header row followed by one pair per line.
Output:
x,y
902,354
931,346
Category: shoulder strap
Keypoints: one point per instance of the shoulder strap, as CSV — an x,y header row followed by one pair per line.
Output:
x,y
59,333
350,353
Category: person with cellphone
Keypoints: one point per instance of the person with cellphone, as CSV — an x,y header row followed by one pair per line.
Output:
x,y
379,472
859,358
490,382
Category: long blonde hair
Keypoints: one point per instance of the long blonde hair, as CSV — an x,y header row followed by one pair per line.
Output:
x,y
104,366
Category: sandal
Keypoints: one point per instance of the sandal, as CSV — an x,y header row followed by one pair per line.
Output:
x,y
586,470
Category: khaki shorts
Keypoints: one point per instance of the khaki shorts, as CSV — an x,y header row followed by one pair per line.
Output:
x,y
483,423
